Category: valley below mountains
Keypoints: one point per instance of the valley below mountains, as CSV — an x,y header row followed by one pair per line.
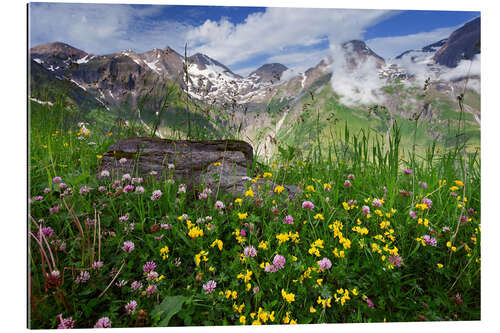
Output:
x,y
171,94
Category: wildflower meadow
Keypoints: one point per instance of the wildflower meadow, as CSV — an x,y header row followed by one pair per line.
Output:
x,y
376,233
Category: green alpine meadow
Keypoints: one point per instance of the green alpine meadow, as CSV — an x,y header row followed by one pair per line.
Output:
x,y
347,189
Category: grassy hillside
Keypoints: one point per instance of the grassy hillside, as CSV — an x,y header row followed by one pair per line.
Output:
x,y
376,233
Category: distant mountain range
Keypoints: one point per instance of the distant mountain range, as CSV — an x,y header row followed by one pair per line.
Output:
x,y
125,77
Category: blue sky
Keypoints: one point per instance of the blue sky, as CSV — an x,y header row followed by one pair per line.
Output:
x,y
243,38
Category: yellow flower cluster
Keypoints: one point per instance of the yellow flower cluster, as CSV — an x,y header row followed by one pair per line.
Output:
x,y
294,237
327,302
245,277
287,319
359,230
203,255
249,192
239,308
422,206
217,243
263,245
344,295
164,252
289,297
347,206
267,175
310,188
195,232
278,189
315,246
262,316
319,216
242,216
239,238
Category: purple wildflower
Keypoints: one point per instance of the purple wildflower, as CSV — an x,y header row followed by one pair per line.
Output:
x,y
347,183
149,267
57,179
427,201
136,181
153,275
84,190
65,323
48,232
350,176
219,205
38,198
46,190
130,307
103,322
288,220
123,160
407,171
101,188
128,188
128,246
429,240
249,251
243,233
279,261
63,186
126,177
413,214
83,277
104,173
308,205
395,260
150,290
156,195
139,190
97,264
136,285
209,286
370,303
376,203
255,290
324,264
365,210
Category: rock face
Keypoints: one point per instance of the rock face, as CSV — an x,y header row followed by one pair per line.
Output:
x,y
221,165
463,43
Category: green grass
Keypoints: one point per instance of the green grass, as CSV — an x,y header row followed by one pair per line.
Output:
x,y
415,290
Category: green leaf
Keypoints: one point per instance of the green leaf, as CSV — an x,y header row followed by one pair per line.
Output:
x,y
170,306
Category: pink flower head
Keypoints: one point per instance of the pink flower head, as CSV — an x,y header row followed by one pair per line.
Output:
x,y
243,233
370,303
365,210
288,220
103,322
219,205
136,285
139,190
83,277
101,188
126,177
128,188
350,176
255,290
407,171
347,183
121,283
130,307
424,185
270,268
57,179
149,267
62,186
84,190
48,232
116,184
429,240
249,251
308,205
376,203
104,173
395,260
150,290
122,160
413,214
156,195
153,275
97,264
209,286
38,198
46,190
279,261
324,264
128,246
427,201
65,323
137,181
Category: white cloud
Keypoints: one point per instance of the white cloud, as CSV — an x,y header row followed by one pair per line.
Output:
x,y
390,47
464,68
271,32
103,28
356,86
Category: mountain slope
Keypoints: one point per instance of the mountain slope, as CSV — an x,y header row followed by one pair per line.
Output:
x,y
463,43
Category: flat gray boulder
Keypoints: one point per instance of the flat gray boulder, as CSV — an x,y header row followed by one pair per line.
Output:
x,y
221,165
